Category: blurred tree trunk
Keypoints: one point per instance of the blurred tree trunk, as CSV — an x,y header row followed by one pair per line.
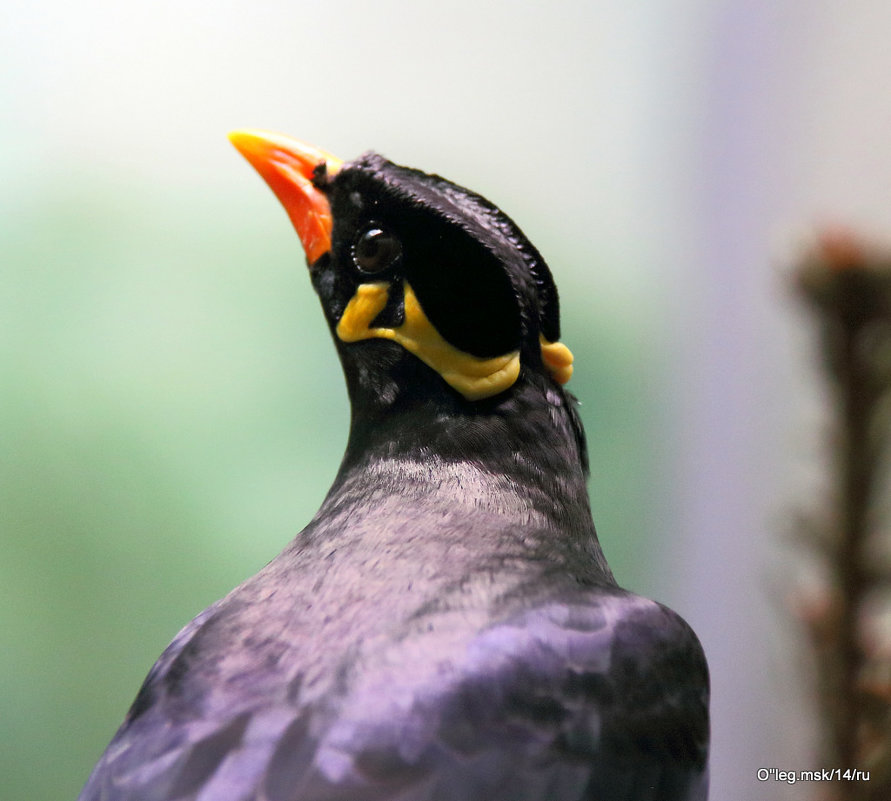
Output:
x,y
849,290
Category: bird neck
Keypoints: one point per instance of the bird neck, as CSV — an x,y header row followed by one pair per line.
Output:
x,y
503,479
527,441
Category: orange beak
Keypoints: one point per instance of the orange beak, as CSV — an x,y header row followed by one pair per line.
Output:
x,y
288,166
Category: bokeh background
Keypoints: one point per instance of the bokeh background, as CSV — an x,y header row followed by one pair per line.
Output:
x,y
171,412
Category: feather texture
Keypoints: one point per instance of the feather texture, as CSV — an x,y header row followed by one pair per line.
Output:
x,y
446,628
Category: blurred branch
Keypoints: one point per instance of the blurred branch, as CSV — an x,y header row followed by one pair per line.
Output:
x,y
849,290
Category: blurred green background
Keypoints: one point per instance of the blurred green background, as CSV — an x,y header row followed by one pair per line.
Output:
x,y
171,411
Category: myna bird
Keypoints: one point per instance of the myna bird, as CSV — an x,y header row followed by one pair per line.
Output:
x,y
446,628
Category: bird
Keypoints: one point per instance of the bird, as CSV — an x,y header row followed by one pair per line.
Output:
x,y
446,628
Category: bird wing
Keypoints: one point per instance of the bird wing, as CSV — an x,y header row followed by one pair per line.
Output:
x,y
601,699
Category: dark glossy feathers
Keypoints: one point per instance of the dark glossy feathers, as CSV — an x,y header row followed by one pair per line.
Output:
x,y
446,628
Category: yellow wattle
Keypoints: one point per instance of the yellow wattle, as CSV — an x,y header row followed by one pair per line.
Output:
x,y
474,377
558,359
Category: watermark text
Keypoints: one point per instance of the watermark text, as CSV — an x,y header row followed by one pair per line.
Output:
x,y
822,775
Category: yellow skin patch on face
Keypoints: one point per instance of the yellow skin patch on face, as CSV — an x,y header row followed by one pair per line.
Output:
x,y
558,359
474,377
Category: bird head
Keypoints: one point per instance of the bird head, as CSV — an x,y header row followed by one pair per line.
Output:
x,y
430,290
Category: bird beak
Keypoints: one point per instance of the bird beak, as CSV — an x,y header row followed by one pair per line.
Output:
x,y
289,167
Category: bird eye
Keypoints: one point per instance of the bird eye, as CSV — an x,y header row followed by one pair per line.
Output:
x,y
375,250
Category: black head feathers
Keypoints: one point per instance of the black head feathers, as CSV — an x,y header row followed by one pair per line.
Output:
x,y
399,256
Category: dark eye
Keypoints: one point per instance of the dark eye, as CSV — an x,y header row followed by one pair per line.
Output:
x,y
375,250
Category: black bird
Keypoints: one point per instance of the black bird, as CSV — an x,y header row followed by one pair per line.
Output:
x,y
446,628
